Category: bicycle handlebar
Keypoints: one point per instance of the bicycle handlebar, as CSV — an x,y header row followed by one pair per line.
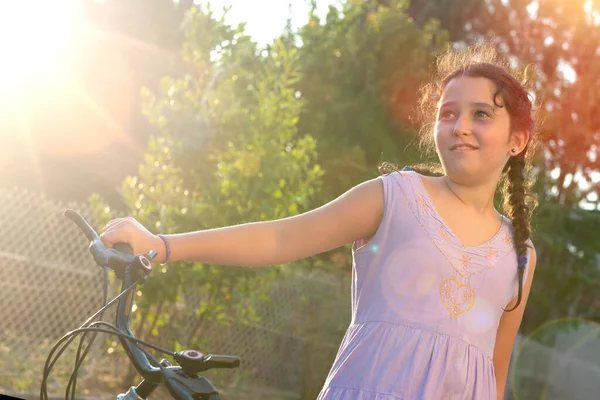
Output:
x,y
182,381
120,259
116,258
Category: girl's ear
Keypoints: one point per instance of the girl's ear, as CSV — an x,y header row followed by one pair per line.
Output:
x,y
519,140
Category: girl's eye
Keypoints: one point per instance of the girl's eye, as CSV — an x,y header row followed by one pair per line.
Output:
x,y
447,114
481,114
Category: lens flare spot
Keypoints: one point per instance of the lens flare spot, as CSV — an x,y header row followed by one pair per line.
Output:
x,y
559,356
480,318
426,282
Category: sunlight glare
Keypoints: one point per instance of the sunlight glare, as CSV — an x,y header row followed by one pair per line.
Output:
x,y
262,30
32,36
532,9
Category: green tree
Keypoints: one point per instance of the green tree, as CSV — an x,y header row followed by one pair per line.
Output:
x,y
362,70
362,66
227,151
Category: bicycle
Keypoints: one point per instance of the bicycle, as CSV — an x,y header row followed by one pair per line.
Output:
x,y
182,381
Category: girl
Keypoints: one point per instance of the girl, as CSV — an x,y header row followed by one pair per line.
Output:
x,y
440,278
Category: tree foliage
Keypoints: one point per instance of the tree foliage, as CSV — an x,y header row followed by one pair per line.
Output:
x,y
362,69
226,151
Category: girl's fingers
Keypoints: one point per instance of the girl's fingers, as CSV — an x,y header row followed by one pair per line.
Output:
x,y
115,235
112,223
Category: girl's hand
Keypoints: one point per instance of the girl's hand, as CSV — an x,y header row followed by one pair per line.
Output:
x,y
129,230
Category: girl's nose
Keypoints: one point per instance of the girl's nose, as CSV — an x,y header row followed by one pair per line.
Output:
x,y
462,127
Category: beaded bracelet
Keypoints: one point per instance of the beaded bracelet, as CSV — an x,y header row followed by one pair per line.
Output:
x,y
167,251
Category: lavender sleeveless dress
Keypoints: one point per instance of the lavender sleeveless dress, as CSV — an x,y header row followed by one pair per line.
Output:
x,y
425,308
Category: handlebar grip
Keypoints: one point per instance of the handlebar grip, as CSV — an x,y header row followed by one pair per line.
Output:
x,y
123,248
221,361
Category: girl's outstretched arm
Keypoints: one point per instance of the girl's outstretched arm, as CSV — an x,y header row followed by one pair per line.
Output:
x,y
354,215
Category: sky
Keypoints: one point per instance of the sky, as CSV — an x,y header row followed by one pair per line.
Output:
x,y
266,19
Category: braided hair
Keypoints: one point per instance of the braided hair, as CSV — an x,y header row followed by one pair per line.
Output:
x,y
483,61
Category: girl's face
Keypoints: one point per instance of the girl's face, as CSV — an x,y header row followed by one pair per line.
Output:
x,y
472,134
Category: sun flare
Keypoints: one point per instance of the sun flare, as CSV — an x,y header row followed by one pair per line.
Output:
x,y
33,37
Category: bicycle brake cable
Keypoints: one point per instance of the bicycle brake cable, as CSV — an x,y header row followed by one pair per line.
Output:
x,y
116,329
79,358
49,365
113,331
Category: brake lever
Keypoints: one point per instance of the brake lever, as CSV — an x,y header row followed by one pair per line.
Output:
x,y
185,387
120,256
113,258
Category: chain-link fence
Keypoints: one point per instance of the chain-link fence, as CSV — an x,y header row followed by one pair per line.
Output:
x,y
49,285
